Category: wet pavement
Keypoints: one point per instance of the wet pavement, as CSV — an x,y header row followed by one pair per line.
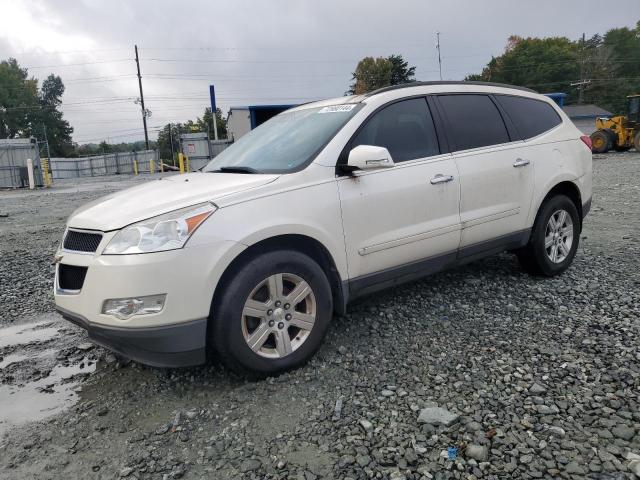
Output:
x,y
39,371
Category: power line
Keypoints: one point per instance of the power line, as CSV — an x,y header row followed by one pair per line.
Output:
x,y
79,64
197,60
123,135
48,52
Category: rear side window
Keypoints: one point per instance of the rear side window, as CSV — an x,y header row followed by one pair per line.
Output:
x,y
475,121
531,117
404,128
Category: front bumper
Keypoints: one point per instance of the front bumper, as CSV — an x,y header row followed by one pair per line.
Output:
x,y
174,337
180,345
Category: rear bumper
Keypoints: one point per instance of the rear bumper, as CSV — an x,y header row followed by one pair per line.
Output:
x,y
180,345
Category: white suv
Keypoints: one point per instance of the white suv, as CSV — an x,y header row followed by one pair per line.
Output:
x,y
324,203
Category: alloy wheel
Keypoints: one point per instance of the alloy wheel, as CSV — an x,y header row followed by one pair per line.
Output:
x,y
558,236
278,315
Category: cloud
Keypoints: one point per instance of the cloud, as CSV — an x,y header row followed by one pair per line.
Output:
x,y
277,51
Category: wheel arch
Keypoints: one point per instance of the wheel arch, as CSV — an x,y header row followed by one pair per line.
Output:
x,y
568,188
300,243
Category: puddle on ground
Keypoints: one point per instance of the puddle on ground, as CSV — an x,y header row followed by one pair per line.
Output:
x,y
33,399
21,357
26,333
37,400
13,358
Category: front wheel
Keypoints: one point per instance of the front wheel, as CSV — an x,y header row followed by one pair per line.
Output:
x,y
554,238
272,314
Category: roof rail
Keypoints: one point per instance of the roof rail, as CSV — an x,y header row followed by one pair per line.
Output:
x,y
446,82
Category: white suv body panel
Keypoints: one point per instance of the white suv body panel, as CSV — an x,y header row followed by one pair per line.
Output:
x,y
371,223
385,227
494,195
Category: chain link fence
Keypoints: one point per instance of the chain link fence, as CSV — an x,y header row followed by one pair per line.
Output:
x,y
13,162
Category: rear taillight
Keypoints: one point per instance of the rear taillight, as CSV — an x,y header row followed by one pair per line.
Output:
x,y
587,140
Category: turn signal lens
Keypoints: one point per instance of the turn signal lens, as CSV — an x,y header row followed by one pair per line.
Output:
x,y
587,141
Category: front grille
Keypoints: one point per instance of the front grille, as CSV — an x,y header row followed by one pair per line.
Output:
x,y
82,241
71,277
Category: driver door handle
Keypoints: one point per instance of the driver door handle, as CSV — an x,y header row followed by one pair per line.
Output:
x,y
439,178
520,162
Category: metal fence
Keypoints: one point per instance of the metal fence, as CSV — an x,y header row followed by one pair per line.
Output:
x,y
13,162
15,152
107,164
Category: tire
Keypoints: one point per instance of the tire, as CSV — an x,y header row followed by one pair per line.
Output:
x,y
613,138
636,141
600,141
535,257
253,287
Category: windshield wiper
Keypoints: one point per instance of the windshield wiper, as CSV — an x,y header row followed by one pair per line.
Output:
x,y
236,169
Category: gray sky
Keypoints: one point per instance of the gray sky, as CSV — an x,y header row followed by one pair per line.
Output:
x,y
259,52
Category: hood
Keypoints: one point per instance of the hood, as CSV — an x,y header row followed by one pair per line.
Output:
x,y
156,197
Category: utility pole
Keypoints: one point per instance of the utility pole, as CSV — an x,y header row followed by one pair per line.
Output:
x,y
144,112
581,88
46,140
439,59
173,160
583,82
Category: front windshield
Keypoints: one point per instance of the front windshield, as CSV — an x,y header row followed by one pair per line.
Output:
x,y
284,143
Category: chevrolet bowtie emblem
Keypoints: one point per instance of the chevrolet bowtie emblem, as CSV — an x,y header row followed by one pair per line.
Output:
x,y
56,259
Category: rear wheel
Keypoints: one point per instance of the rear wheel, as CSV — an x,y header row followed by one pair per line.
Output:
x,y
554,239
272,315
600,141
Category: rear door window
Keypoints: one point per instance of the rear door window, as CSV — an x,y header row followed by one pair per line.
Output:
x,y
531,117
475,121
404,128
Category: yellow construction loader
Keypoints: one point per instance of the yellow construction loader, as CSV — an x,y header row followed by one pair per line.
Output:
x,y
621,132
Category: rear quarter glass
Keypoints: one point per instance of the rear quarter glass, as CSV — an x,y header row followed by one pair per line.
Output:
x,y
530,116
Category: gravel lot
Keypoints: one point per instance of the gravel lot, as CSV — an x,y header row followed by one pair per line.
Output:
x,y
479,372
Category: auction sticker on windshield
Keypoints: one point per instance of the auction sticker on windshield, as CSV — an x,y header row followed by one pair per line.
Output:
x,y
338,108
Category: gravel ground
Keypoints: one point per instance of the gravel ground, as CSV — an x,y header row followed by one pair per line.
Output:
x,y
479,372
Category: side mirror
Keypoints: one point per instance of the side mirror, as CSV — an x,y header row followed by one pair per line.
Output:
x,y
369,157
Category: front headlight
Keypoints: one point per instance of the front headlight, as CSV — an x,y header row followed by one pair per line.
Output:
x,y
164,232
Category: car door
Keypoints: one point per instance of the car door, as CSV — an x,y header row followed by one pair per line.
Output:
x,y
397,218
496,174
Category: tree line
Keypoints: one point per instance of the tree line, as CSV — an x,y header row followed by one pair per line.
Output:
x,y
608,66
27,109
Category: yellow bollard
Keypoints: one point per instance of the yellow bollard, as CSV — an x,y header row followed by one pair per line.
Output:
x,y
150,166
181,162
45,172
135,166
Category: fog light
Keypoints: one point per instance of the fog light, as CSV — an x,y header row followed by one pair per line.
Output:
x,y
124,308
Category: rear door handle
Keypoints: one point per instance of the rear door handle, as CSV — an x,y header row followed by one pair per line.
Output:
x,y
439,178
520,162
